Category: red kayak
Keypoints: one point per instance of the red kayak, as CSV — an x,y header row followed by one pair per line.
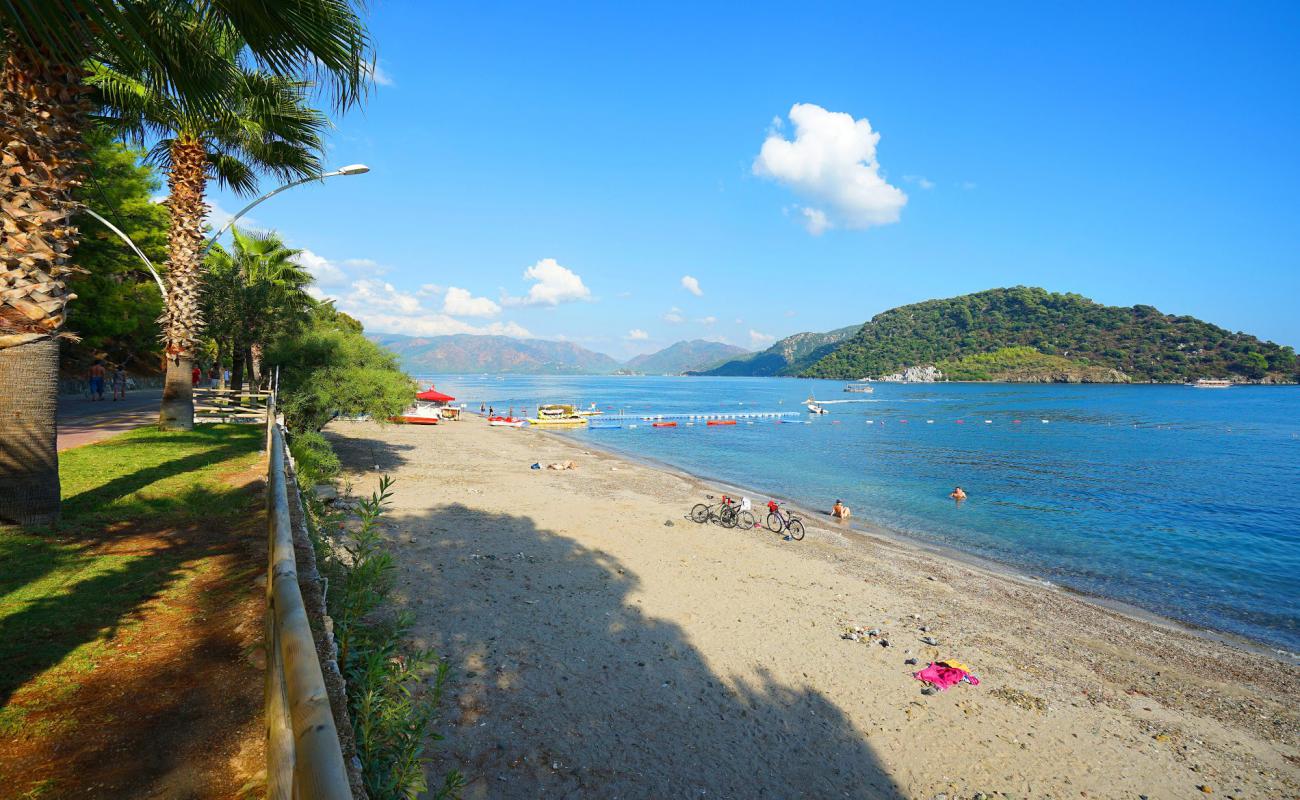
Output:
x,y
663,424
721,422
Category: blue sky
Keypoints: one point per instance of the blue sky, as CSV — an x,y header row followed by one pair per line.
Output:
x,y
556,170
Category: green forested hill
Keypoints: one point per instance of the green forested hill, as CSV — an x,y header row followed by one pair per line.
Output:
x,y
1139,341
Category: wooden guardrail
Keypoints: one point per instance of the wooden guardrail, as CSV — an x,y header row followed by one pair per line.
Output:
x,y
229,405
303,755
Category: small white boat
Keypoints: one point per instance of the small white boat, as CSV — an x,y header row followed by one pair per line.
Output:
x,y
1211,383
859,387
507,422
815,408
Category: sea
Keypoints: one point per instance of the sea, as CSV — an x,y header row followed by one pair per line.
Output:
x,y
1178,501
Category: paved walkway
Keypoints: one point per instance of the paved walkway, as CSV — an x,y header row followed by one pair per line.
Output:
x,y
83,421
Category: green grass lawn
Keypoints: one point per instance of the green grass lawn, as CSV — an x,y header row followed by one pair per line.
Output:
x,y
136,509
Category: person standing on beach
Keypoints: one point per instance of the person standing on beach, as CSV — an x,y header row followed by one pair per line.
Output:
x,y
119,383
97,372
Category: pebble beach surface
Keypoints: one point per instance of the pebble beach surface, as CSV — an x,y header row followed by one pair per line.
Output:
x,y
606,646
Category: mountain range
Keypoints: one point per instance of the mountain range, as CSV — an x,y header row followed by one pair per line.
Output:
x,y
789,356
469,353
1016,334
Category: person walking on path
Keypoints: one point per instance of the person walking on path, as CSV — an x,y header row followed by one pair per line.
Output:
x,y
119,383
196,375
97,372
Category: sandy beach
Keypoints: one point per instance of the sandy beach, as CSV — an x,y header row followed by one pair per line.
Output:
x,y
606,646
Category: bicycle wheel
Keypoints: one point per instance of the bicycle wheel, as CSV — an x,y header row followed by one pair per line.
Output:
x,y
700,513
745,521
727,517
774,523
796,530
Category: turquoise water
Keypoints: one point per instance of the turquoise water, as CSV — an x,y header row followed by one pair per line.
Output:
x,y
1184,502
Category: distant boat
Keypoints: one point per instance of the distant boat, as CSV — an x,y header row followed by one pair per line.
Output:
x,y
814,407
1211,383
507,422
859,387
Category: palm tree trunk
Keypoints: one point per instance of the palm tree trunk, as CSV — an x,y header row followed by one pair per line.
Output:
x,y
255,363
42,114
29,458
182,321
237,366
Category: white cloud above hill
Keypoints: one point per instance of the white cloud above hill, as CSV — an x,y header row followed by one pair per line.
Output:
x,y
553,284
831,162
460,303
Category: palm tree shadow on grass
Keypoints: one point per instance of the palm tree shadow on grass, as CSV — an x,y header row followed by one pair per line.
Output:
x,y
95,504
49,627
563,686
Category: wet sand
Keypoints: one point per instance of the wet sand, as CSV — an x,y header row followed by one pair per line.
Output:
x,y
606,646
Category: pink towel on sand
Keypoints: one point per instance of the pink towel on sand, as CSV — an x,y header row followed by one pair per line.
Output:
x,y
943,676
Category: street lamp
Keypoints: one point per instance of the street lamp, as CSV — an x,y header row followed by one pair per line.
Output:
x,y
162,288
350,169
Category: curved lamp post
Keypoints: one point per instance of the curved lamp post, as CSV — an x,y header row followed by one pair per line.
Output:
x,y
350,169
156,277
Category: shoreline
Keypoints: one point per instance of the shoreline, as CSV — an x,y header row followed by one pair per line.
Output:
x,y
995,568
606,646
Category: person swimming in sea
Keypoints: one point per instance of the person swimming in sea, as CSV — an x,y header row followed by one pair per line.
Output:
x,y
957,494
840,511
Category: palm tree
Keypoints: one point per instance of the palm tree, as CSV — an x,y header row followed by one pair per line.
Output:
x,y
253,295
43,113
263,126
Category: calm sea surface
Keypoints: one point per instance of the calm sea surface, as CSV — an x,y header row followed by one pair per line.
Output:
x,y
1185,502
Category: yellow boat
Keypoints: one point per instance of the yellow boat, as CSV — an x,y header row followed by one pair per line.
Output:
x,y
558,416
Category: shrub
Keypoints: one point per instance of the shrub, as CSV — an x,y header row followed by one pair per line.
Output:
x,y
390,721
314,457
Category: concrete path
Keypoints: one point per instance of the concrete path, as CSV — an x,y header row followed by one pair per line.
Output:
x,y
83,421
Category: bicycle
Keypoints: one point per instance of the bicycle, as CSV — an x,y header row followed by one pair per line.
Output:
x,y
728,515
788,523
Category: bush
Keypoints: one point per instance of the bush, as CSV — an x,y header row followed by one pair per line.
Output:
x,y
314,457
390,721
328,370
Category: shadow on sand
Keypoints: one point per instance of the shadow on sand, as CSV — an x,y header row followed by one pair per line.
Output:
x,y
564,687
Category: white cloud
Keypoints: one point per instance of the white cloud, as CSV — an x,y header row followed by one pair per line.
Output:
x,y
791,313
637,335
674,315
760,339
554,285
832,162
707,320
378,75
384,308
460,303
815,220
919,180
968,185
322,269
691,285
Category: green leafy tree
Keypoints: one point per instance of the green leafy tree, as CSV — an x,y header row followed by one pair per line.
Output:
x,y
116,315
328,370
44,113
